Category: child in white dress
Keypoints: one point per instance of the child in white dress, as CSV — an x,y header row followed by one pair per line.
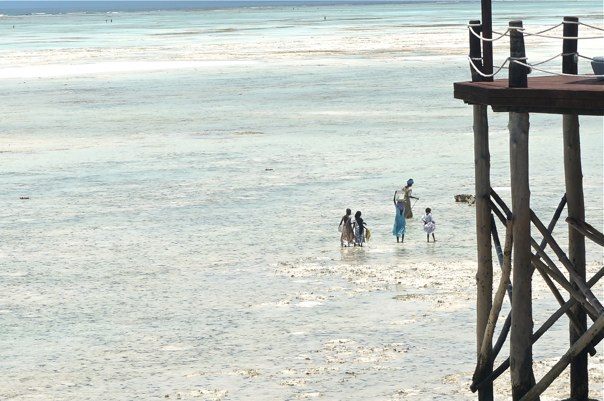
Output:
x,y
429,224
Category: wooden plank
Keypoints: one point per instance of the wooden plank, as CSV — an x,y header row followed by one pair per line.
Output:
x,y
554,94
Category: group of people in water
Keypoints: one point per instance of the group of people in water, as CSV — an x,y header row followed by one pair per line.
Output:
x,y
356,232
353,231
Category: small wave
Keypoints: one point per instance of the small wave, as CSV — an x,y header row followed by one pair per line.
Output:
x,y
241,133
180,33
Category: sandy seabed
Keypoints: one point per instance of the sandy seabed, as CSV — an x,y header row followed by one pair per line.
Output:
x,y
423,283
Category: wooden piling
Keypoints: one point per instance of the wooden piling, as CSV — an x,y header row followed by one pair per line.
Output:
x,y
484,275
569,46
579,378
475,50
517,73
521,350
487,32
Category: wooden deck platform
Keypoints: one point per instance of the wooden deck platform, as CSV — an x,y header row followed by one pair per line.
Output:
x,y
552,94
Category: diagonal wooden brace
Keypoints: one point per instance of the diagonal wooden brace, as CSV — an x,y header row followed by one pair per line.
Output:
x,y
586,230
550,269
484,356
537,334
575,278
593,333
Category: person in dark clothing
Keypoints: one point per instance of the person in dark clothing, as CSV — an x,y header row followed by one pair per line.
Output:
x,y
359,227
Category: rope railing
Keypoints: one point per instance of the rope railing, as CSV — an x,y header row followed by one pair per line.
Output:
x,y
597,28
502,66
570,35
538,33
562,37
477,69
482,38
561,74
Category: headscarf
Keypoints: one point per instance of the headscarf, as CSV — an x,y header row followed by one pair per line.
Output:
x,y
410,182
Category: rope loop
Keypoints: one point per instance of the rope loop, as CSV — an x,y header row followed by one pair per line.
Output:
x,y
482,38
475,68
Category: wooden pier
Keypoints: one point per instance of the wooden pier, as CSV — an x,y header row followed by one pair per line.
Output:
x,y
521,255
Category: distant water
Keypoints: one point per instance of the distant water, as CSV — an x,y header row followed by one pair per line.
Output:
x,y
176,161
64,7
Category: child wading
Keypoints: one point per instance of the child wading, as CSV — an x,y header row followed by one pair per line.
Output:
x,y
345,228
359,229
429,224
400,221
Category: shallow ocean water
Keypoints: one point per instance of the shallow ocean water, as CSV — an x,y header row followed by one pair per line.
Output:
x,y
186,172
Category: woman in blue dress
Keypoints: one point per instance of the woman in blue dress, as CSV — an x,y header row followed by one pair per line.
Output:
x,y
400,221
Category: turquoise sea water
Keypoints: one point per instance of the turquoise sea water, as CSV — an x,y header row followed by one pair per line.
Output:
x,y
186,172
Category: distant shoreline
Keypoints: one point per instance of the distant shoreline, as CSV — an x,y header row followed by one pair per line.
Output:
x,y
17,8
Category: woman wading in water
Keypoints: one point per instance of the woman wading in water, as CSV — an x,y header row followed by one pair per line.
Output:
x,y
346,229
406,192
400,222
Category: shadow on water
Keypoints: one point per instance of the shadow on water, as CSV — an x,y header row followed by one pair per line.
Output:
x,y
355,254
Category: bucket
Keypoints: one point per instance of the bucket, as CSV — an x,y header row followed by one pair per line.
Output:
x,y
598,66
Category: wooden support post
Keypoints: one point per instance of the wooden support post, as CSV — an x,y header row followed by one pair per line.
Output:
x,y
484,274
487,32
579,376
517,77
579,379
475,50
521,349
569,46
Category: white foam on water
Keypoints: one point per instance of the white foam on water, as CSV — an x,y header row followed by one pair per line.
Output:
x,y
76,70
